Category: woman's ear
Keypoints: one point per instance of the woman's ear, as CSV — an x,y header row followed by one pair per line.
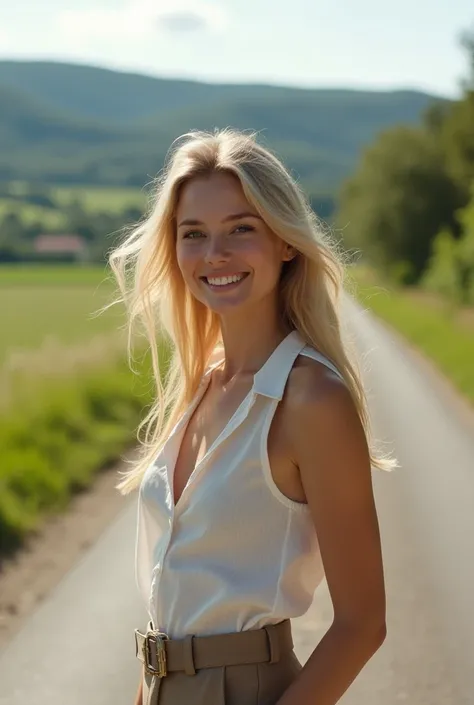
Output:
x,y
289,253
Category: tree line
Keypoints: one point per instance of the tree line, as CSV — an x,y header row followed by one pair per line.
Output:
x,y
409,207
97,229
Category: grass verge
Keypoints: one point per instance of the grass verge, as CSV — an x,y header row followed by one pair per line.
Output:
x,y
59,428
442,333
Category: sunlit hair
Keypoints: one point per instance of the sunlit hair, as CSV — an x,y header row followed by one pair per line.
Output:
x,y
152,287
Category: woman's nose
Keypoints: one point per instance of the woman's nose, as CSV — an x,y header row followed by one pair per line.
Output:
x,y
216,251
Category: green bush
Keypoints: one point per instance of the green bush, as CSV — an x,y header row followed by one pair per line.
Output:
x,y
450,270
443,274
466,252
54,445
402,273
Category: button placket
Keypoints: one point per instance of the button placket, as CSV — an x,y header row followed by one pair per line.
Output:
x,y
158,568
234,422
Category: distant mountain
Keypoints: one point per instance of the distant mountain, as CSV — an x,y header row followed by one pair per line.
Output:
x,y
72,123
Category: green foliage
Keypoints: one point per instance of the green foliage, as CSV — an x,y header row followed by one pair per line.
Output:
x,y
453,125
393,206
402,273
458,142
97,214
450,270
432,328
64,376
467,42
442,274
80,424
466,252
406,205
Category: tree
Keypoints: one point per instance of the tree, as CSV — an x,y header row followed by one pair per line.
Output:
x,y
451,267
458,143
467,42
442,274
398,200
11,229
466,251
436,115
458,128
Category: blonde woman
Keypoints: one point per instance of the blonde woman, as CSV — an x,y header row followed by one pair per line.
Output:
x,y
255,476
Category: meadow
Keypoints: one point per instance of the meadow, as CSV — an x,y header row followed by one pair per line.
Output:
x,y
69,404
56,301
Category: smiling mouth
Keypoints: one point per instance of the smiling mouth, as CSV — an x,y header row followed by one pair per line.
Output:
x,y
226,282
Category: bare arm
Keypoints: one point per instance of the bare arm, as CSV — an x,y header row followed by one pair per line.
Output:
x,y
330,450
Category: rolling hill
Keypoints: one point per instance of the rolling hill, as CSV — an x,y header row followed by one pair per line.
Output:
x,y
81,124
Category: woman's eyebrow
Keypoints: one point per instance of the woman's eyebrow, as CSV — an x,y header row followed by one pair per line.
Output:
x,y
234,216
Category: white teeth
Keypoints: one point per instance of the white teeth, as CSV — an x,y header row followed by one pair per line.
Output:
x,y
221,281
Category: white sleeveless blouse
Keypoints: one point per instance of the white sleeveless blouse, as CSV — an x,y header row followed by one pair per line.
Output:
x,y
235,553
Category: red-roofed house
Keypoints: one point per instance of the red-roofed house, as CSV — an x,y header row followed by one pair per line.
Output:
x,y
61,244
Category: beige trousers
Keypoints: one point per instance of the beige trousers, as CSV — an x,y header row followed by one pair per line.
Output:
x,y
250,684
263,673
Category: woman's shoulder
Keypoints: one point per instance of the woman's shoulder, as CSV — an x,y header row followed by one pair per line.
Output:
x,y
312,359
318,398
313,382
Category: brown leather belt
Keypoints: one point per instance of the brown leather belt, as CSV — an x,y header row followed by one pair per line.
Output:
x,y
161,655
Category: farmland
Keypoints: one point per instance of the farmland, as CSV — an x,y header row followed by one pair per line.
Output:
x,y
42,302
63,373
91,199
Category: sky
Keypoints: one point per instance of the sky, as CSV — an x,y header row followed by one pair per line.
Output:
x,y
363,44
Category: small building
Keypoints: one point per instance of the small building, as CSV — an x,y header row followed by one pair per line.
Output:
x,y
69,246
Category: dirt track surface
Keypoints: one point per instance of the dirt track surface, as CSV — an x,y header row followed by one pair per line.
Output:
x,y
28,577
77,646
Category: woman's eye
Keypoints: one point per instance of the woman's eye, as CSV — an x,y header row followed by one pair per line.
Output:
x,y
190,235
195,234
244,228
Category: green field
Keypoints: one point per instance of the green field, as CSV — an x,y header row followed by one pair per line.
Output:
x,y
93,199
36,302
99,198
79,397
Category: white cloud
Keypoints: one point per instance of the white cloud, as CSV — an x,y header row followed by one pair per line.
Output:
x,y
182,21
139,19
188,15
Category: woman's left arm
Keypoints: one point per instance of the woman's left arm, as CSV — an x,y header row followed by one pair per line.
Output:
x,y
330,449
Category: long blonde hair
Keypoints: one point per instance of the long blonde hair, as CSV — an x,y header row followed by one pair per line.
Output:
x,y
155,295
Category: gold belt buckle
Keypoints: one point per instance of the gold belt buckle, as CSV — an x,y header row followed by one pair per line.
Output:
x,y
158,639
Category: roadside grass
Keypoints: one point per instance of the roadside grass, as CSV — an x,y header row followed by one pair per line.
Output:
x,y
444,334
65,413
69,403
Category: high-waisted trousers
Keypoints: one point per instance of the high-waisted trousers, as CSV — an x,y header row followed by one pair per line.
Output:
x,y
261,683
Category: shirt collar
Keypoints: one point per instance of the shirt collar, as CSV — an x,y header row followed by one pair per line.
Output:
x,y
270,380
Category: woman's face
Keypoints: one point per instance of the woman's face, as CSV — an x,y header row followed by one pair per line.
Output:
x,y
226,253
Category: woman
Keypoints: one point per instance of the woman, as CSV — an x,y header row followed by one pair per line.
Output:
x,y
260,472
